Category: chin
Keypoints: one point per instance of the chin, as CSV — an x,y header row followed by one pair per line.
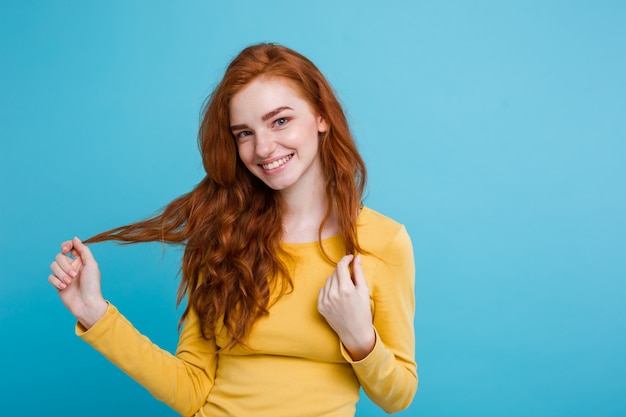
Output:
x,y
271,185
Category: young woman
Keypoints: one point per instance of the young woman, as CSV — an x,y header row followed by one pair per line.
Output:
x,y
297,295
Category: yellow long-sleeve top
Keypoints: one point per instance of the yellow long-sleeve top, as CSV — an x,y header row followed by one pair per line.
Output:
x,y
298,366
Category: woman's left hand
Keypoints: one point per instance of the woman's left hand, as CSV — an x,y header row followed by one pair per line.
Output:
x,y
345,304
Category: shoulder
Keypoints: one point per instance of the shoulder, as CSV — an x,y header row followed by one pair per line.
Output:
x,y
378,233
388,259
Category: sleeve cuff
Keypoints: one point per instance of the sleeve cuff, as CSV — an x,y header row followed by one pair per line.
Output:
x,y
377,347
99,327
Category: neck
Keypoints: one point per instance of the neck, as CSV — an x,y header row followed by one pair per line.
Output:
x,y
303,214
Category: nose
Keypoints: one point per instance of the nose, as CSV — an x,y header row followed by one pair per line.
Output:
x,y
264,144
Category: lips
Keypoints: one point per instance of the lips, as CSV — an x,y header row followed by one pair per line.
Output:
x,y
277,163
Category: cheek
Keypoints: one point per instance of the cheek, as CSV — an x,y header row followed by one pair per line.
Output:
x,y
245,153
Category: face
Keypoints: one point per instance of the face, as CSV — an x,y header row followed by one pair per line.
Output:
x,y
277,134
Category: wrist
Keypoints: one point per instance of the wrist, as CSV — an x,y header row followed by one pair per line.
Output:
x,y
361,348
92,312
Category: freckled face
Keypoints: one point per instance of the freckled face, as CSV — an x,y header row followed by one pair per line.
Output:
x,y
276,132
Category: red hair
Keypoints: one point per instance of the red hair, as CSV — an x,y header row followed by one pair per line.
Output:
x,y
231,222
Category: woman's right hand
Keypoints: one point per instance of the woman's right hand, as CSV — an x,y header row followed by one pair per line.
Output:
x,y
77,279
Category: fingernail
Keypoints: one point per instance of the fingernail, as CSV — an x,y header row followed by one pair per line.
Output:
x,y
73,273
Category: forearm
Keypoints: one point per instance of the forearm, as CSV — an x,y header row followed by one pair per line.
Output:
x,y
181,385
389,381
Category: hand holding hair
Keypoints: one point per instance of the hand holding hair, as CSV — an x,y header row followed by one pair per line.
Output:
x,y
76,277
345,304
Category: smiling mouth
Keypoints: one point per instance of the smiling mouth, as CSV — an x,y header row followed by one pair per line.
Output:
x,y
278,163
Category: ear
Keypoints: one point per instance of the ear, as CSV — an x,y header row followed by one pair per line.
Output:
x,y
322,126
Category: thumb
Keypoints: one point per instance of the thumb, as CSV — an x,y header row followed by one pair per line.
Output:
x,y
357,271
83,251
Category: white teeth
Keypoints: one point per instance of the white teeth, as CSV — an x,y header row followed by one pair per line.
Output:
x,y
277,163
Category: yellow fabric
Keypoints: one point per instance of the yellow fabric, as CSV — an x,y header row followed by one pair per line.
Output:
x,y
298,366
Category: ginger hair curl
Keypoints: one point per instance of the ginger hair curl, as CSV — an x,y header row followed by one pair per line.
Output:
x,y
231,222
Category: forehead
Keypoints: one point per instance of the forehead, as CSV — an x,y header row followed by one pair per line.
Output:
x,y
264,94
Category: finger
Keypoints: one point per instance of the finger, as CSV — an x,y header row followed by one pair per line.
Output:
x,y
334,285
344,278
320,298
83,251
56,282
330,282
60,273
77,262
74,265
357,272
326,290
66,247
65,262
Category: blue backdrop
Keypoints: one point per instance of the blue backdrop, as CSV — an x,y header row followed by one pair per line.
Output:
x,y
496,131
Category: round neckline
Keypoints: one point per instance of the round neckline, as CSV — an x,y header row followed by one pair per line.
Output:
x,y
312,243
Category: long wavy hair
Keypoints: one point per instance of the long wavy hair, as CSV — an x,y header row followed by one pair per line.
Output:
x,y
231,223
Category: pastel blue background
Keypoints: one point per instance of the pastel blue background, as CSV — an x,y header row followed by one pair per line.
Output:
x,y
496,131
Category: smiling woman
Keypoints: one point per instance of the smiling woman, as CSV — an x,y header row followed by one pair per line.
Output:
x,y
279,146
297,295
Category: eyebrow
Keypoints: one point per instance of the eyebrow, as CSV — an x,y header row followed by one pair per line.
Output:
x,y
274,113
265,117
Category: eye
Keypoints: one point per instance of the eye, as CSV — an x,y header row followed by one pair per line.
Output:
x,y
242,134
281,122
